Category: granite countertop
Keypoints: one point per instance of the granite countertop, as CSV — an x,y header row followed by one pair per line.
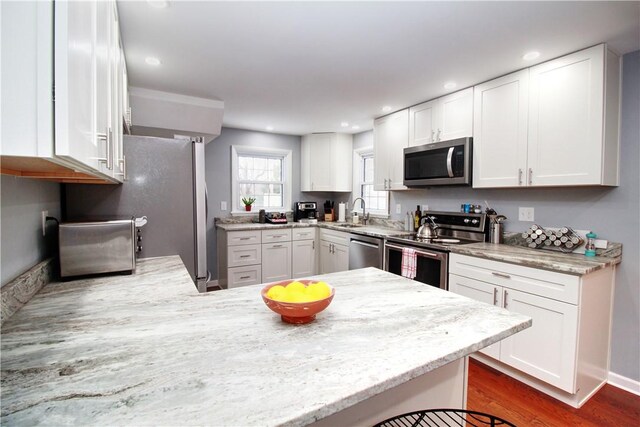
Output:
x,y
147,349
576,264
367,230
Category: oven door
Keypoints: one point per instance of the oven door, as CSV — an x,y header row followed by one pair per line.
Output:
x,y
432,266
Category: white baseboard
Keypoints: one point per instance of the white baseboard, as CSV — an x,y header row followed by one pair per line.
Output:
x,y
627,384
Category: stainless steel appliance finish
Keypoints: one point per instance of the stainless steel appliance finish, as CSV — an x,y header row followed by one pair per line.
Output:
x,y
440,163
453,228
200,214
97,247
305,210
365,251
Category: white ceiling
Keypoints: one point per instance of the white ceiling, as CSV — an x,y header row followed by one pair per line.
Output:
x,y
305,67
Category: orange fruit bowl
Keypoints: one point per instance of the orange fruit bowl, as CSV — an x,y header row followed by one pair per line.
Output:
x,y
297,312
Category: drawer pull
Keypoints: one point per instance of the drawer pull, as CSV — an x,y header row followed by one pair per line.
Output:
x,y
506,276
246,238
276,246
245,256
495,296
275,236
245,277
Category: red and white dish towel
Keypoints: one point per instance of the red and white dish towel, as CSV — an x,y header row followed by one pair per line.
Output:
x,y
409,263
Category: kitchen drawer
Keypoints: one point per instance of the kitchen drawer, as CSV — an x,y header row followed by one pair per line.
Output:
x,y
244,255
251,237
304,233
277,235
339,237
244,276
549,284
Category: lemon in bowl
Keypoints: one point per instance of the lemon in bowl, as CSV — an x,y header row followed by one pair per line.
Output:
x,y
298,301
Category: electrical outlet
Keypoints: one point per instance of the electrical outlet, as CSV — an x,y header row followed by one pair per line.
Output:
x,y
223,206
45,214
526,214
398,208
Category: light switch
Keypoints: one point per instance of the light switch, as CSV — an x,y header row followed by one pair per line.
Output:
x,y
223,206
525,214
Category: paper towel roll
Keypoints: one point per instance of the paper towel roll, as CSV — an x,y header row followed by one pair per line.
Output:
x,y
341,212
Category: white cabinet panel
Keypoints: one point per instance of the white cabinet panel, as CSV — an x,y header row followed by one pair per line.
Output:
x,y
249,237
303,258
546,350
456,115
244,276
304,233
327,262
341,257
500,131
390,138
244,255
277,235
326,162
276,261
422,123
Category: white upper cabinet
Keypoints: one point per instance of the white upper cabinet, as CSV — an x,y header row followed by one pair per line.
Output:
x,y
441,119
500,131
390,138
568,118
66,67
555,124
326,162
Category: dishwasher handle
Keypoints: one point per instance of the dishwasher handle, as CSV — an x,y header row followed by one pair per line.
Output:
x,y
360,242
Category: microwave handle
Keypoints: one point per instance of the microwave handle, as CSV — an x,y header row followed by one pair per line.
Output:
x,y
449,158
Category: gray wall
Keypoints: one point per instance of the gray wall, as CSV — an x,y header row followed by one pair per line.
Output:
x,y
23,245
612,213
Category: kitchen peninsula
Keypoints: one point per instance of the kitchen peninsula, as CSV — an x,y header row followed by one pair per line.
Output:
x,y
148,349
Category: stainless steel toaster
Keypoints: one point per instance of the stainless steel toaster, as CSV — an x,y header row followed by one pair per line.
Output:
x,y
97,247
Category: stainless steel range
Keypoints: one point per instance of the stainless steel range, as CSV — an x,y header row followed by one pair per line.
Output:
x,y
432,254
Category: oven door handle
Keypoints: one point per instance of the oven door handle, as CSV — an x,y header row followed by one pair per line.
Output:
x,y
427,254
449,159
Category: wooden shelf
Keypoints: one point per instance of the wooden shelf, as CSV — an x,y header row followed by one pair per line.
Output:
x,y
46,170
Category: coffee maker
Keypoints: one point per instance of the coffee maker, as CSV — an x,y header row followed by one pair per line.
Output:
x,y
305,211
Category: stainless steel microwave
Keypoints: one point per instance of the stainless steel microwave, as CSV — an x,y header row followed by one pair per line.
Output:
x,y
440,163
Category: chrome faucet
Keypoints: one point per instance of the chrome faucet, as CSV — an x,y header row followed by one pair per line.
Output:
x,y
365,215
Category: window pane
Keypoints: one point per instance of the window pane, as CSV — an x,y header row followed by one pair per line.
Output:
x,y
368,169
261,177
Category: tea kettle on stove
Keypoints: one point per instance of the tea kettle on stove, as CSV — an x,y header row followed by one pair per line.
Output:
x,y
428,229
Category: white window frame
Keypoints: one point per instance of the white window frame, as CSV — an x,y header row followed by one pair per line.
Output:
x,y
358,155
287,172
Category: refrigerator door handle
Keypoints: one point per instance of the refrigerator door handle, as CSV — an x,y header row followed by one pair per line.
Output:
x,y
206,203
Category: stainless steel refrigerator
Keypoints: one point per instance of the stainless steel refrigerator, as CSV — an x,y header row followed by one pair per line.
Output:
x,y
166,183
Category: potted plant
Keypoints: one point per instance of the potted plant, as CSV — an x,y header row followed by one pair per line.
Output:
x,y
248,201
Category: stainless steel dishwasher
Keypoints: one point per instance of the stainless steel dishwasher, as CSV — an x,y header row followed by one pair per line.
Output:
x,y
365,251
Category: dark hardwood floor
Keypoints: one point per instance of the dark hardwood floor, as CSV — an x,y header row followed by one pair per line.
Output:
x,y
494,393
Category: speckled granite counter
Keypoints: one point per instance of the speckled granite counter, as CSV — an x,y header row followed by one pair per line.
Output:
x,y
576,264
148,349
366,230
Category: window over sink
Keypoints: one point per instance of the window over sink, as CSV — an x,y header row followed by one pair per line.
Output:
x,y
263,174
377,202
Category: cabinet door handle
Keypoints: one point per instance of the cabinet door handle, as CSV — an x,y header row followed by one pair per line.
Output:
x,y
438,135
506,299
110,149
506,276
519,176
123,162
495,296
313,245
245,277
530,176
245,238
433,135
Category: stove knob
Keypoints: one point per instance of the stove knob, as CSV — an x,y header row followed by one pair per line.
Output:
x,y
466,220
474,221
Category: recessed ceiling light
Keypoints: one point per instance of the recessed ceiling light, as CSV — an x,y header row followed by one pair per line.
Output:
x,y
450,85
386,109
269,128
529,56
158,4
355,127
152,61
344,124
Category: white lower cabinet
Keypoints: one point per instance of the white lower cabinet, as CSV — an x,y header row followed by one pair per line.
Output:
x,y
250,257
334,251
303,258
565,353
276,261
